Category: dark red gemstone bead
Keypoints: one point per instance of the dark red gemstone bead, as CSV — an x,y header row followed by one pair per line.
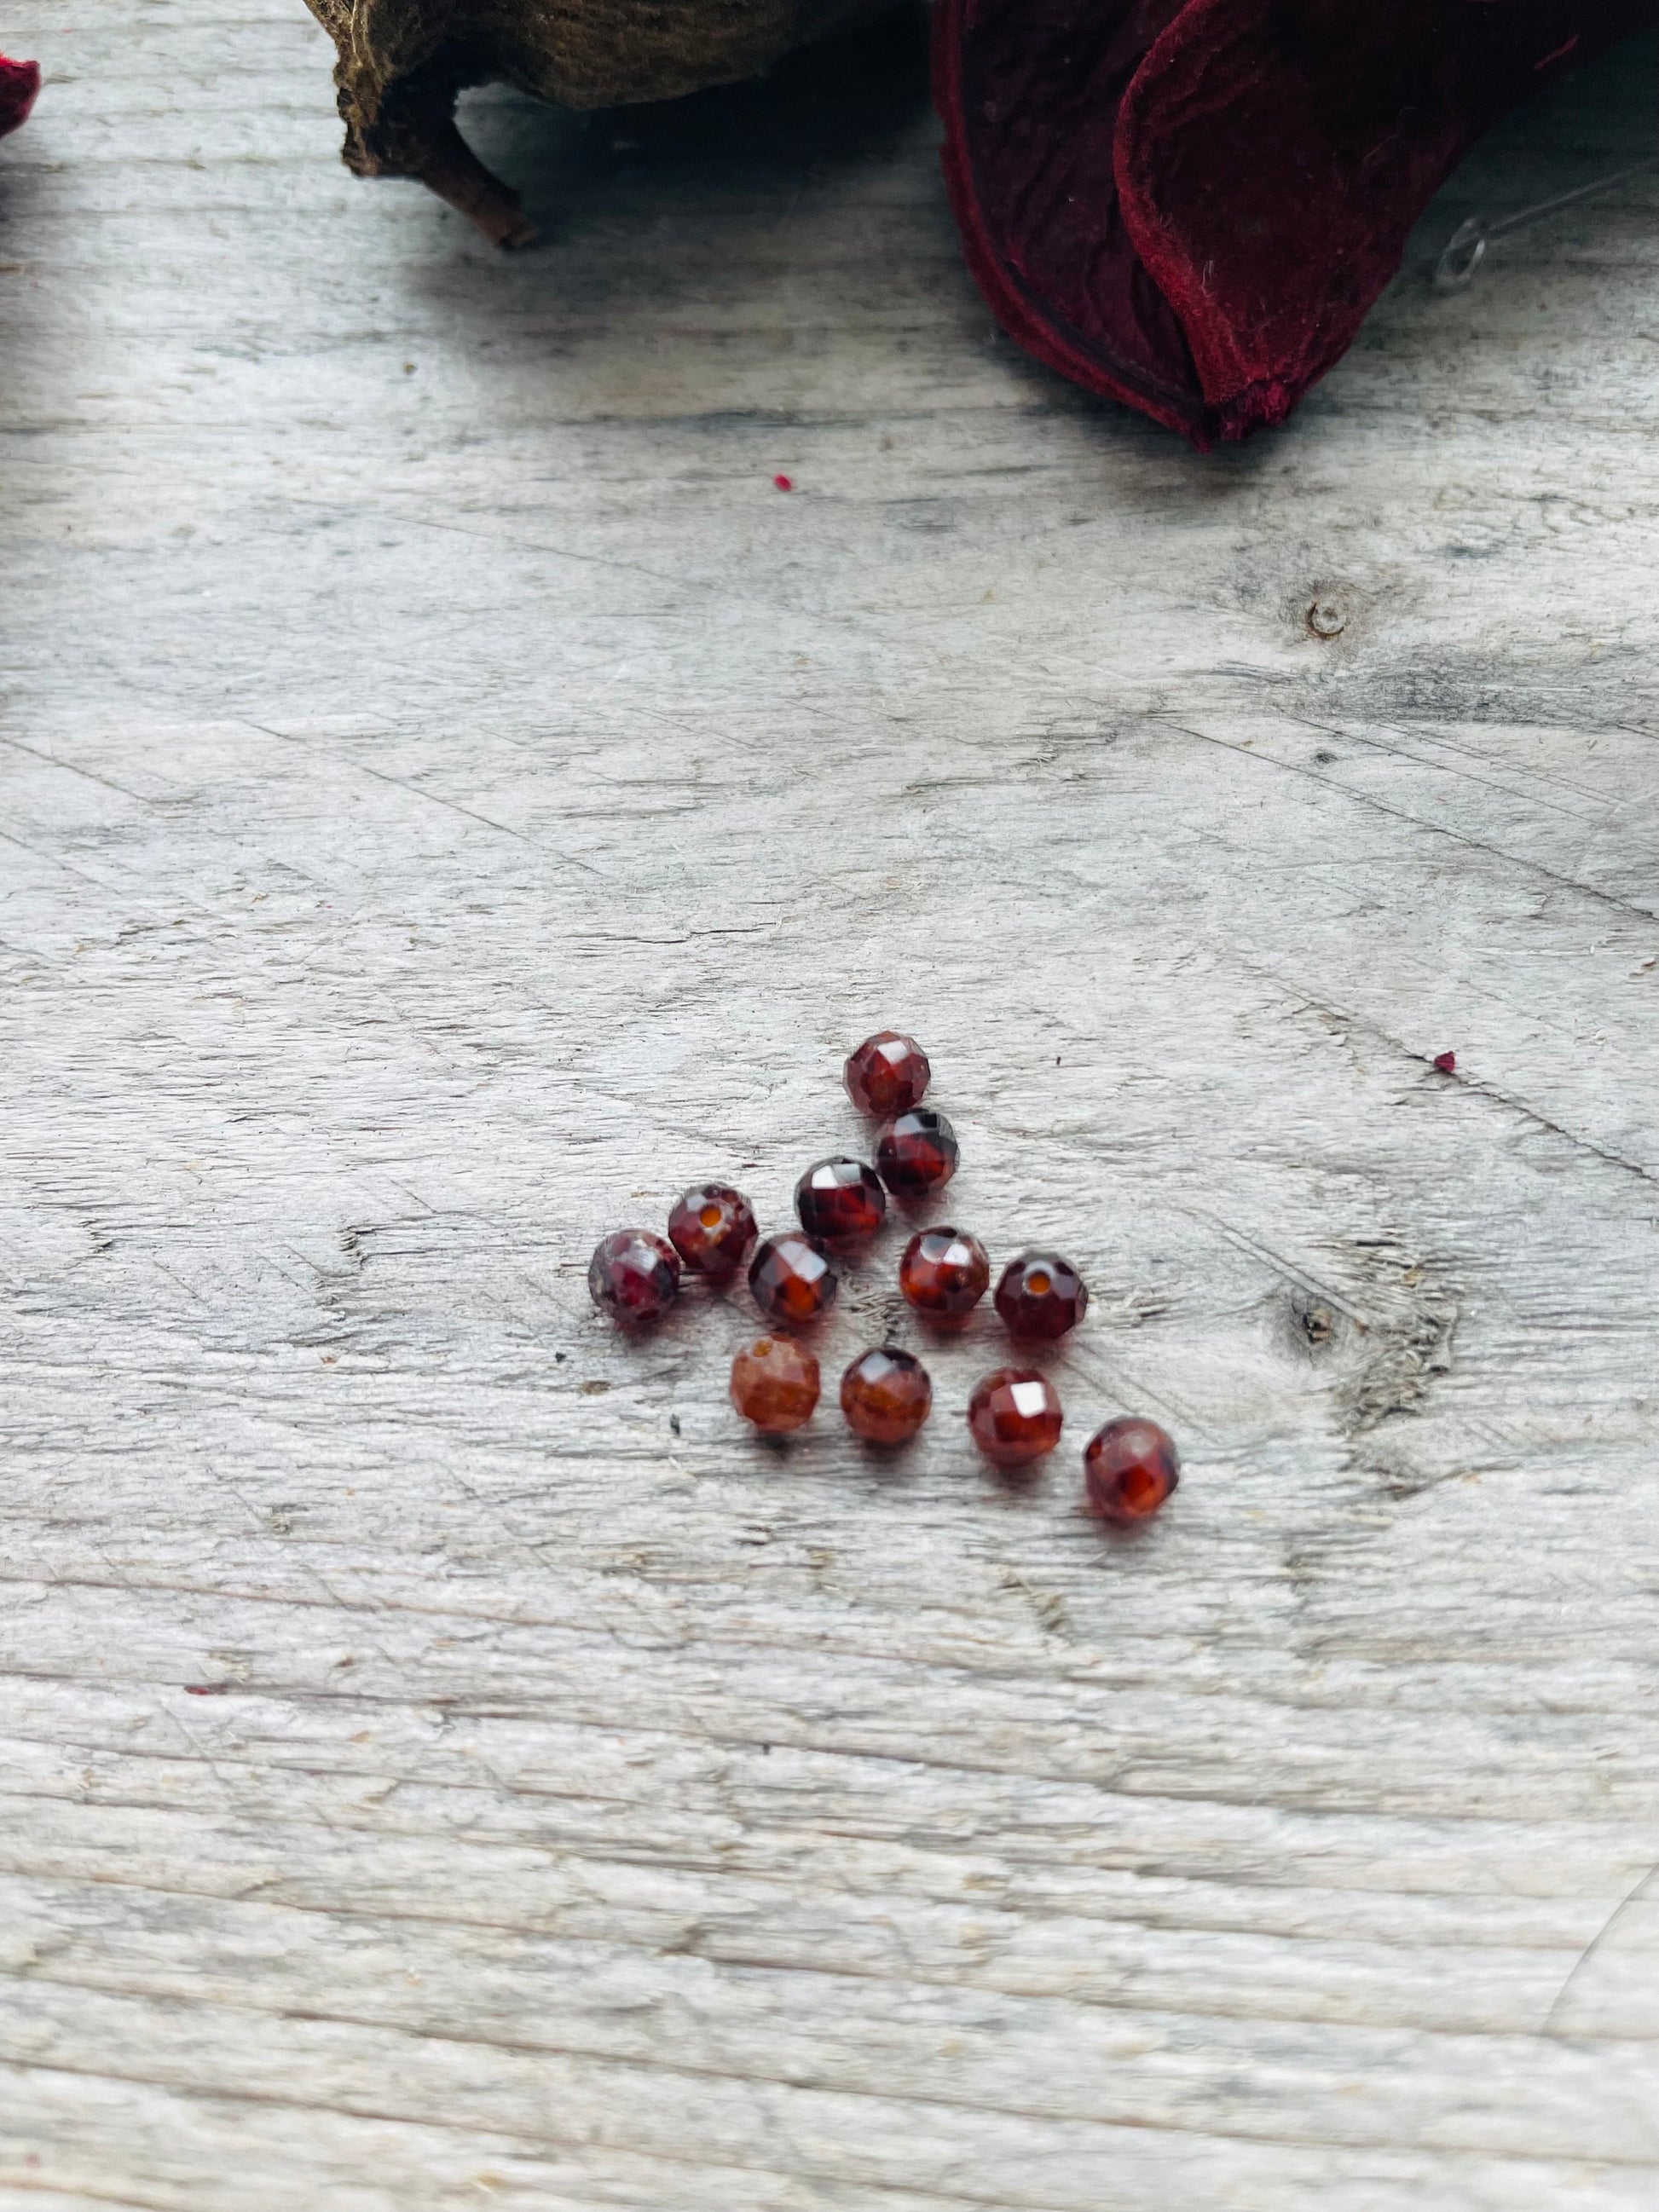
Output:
x,y
774,1384
944,1271
917,1154
1129,1469
1014,1416
841,1203
887,1075
1041,1295
792,1280
885,1396
633,1276
712,1228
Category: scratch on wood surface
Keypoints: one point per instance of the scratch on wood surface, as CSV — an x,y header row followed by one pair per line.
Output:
x,y
1598,1942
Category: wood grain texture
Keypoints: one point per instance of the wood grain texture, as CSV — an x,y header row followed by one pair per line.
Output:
x,y
449,801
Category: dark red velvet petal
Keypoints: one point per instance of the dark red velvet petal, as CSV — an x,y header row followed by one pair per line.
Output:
x,y
18,83
1191,204
1029,91
1272,158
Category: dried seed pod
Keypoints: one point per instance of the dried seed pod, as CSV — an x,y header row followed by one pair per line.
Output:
x,y
402,63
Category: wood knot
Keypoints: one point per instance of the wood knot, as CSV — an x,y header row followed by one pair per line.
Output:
x,y
1326,617
1318,1324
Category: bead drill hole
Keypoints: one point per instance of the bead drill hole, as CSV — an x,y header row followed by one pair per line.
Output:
x,y
710,1217
1038,1284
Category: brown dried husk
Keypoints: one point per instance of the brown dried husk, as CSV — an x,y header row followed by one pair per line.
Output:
x,y
402,62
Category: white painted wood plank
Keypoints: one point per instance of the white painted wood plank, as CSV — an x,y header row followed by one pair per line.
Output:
x,y
449,800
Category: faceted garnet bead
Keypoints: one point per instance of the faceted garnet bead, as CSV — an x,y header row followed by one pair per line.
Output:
x,y
944,1272
1014,1416
633,1276
791,1279
774,1384
841,1203
887,1075
1041,1295
917,1154
1129,1469
885,1396
712,1228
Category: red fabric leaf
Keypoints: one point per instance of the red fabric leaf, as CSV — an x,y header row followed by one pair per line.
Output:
x,y
1191,204
18,83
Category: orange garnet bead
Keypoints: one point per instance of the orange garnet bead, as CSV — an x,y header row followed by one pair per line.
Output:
x,y
1041,1295
885,1396
792,1280
944,1272
712,1228
887,1075
1014,1416
774,1384
1129,1469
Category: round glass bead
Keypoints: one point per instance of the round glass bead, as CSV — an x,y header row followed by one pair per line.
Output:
x,y
917,1154
1129,1469
944,1272
791,1279
885,1396
712,1228
633,1276
841,1203
887,1075
774,1384
1014,1416
1041,1295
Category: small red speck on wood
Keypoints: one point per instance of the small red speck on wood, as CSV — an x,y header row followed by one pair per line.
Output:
x,y
783,483
1446,1062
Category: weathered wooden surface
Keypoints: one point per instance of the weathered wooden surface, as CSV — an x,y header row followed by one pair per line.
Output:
x,y
450,800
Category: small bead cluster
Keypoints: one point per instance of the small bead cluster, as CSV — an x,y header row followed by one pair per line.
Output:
x,y
1014,1413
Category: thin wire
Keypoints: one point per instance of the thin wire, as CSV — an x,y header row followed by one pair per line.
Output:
x,y
1466,249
